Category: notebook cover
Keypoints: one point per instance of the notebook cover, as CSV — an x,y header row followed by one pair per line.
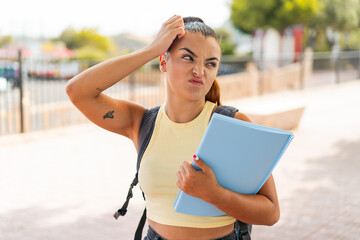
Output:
x,y
242,156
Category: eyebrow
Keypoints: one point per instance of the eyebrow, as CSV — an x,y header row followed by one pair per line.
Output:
x,y
192,53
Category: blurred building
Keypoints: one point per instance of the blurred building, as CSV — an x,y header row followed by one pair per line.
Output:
x,y
41,60
274,48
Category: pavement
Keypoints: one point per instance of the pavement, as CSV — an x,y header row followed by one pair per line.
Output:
x,y
65,184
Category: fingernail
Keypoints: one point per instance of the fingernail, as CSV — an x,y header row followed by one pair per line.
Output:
x,y
196,157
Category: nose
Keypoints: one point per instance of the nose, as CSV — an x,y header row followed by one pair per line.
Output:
x,y
198,70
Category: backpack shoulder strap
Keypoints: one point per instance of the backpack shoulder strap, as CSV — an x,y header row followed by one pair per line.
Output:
x,y
145,132
146,129
226,110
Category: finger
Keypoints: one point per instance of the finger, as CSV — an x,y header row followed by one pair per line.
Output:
x,y
201,164
180,176
179,32
182,32
175,24
178,183
183,170
179,22
173,19
175,29
178,25
189,167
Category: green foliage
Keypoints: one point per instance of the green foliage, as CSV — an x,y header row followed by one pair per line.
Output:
x,y
340,15
227,46
249,15
351,40
298,12
88,43
68,36
90,53
5,40
321,42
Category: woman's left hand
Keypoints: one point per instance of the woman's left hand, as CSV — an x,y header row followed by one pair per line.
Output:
x,y
200,184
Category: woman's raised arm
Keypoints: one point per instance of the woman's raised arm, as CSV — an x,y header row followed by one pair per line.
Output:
x,y
119,116
85,92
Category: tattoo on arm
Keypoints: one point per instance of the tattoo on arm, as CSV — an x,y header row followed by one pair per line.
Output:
x,y
109,114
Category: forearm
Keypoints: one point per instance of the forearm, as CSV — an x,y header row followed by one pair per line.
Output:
x,y
251,209
91,82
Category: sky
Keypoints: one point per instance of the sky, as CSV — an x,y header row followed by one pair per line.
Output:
x,y
48,18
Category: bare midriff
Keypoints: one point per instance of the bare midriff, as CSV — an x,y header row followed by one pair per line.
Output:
x,y
180,233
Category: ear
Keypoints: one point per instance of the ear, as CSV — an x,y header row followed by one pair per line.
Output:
x,y
162,65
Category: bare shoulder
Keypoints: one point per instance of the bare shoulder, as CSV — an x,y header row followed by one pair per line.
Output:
x,y
241,116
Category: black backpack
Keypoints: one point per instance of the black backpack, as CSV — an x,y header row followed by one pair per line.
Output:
x,y
146,129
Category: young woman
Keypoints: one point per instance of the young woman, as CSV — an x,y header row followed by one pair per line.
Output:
x,y
190,55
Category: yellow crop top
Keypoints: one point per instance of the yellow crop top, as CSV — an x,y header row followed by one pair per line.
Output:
x,y
170,145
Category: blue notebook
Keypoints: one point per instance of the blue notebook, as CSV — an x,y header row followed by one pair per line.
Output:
x,y
242,156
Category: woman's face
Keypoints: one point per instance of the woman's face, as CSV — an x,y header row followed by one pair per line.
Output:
x,y
191,66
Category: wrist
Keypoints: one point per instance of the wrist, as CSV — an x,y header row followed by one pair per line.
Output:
x,y
150,52
216,196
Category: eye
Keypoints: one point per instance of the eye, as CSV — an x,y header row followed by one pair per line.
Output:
x,y
187,57
212,64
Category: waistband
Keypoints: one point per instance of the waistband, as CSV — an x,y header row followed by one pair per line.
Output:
x,y
153,235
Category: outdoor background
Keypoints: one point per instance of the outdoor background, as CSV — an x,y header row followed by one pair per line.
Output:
x,y
289,64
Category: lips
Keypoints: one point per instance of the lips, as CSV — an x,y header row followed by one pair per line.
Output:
x,y
196,81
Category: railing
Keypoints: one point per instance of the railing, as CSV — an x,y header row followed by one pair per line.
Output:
x,y
32,91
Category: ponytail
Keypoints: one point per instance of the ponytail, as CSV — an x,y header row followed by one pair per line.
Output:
x,y
214,93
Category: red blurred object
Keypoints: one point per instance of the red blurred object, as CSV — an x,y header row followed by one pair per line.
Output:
x,y
298,32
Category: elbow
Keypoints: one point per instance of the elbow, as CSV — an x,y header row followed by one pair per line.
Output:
x,y
69,89
275,217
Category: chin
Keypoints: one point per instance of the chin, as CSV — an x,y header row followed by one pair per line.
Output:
x,y
196,99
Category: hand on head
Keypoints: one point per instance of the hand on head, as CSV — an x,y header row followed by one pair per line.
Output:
x,y
172,28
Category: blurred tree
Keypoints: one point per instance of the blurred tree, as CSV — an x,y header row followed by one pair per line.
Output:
x,y
86,39
317,16
90,53
227,46
69,37
350,41
338,17
249,15
5,40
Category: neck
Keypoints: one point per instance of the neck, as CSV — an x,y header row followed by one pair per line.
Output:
x,y
181,111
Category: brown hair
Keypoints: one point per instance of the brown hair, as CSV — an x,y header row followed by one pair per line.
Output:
x,y
197,25
214,93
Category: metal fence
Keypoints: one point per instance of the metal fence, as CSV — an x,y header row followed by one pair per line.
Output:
x,y
331,68
32,90
327,67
